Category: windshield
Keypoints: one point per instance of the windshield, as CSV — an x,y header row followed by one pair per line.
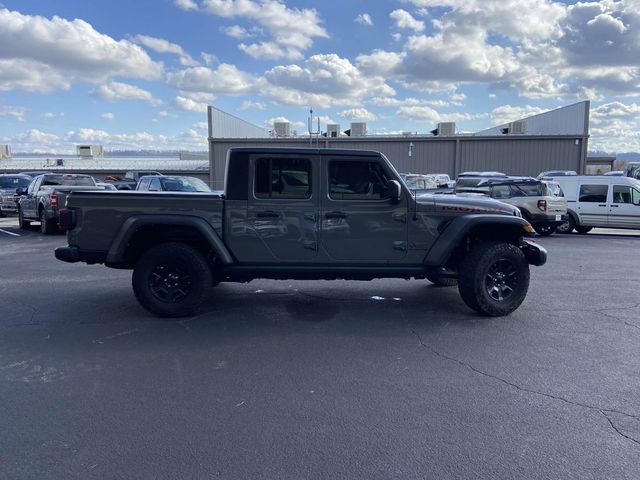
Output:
x,y
419,182
184,184
11,183
68,180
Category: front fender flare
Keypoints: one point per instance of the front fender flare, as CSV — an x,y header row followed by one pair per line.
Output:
x,y
461,226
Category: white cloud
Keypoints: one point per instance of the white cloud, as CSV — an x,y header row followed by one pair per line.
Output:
x,y
324,80
189,104
291,30
405,20
364,19
209,59
508,113
118,91
431,115
161,45
49,115
16,112
32,140
236,31
249,104
201,125
40,54
186,4
358,114
224,79
163,113
107,116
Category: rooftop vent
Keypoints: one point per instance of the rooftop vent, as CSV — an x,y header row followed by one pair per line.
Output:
x,y
445,129
5,152
358,129
333,130
89,151
515,128
282,129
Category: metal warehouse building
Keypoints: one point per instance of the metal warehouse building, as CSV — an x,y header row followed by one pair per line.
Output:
x,y
554,140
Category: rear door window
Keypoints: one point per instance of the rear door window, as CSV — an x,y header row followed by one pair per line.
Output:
x,y
594,193
283,178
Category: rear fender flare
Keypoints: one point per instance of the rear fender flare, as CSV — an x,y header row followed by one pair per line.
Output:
x,y
118,248
461,227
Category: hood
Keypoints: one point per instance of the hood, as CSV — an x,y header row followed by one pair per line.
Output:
x,y
465,203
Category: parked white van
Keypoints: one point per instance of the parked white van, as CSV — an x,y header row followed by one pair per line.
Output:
x,y
600,201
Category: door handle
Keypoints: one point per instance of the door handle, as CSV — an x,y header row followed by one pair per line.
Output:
x,y
309,245
614,206
267,214
602,204
335,215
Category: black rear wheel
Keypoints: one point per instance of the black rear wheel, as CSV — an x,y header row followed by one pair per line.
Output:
x,y
171,280
494,278
545,230
46,226
567,226
582,230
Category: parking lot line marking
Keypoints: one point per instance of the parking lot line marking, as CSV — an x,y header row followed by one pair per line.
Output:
x,y
9,233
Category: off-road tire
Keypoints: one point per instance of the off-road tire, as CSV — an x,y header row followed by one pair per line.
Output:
x,y
152,273
46,226
545,230
568,226
582,230
441,281
478,268
22,223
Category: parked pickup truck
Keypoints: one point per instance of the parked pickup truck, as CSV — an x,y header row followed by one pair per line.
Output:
x,y
41,200
303,214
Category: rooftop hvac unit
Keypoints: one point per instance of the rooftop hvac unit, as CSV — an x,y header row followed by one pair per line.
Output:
x,y
514,128
333,130
358,129
282,129
445,129
5,151
89,151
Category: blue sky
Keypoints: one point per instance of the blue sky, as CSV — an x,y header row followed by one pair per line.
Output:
x,y
138,75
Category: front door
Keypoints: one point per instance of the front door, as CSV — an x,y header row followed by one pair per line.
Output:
x,y
624,209
283,208
358,223
593,206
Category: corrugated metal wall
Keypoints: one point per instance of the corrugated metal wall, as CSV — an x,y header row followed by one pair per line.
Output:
x,y
520,157
514,156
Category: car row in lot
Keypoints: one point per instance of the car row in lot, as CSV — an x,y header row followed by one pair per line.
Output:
x,y
559,200
39,196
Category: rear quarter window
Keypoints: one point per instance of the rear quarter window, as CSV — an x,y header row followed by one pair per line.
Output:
x,y
593,193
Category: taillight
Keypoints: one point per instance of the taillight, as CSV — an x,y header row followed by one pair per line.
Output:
x,y
542,205
53,198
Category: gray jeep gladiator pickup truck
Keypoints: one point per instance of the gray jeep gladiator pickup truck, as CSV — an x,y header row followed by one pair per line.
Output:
x,y
302,214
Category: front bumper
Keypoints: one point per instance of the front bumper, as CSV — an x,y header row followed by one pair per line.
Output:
x,y
536,254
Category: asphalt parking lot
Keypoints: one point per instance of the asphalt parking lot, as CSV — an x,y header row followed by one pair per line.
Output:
x,y
294,380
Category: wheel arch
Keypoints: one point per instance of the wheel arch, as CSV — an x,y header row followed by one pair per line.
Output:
x,y
466,229
141,232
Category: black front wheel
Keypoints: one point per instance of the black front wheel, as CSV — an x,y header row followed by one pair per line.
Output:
x,y
22,223
494,278
582,230
171,280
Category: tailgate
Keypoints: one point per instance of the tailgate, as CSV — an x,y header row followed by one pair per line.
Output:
x,y
556,205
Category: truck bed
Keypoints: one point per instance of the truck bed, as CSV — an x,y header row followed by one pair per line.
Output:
x,y
107,211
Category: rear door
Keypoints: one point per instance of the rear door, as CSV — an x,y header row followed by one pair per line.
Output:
x,y
624,209
282,208
358,222
593,204
29,203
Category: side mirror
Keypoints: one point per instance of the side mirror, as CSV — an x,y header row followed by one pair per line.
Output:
x,y
394,190
21,191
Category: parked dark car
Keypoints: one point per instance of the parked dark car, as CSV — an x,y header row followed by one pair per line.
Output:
x,y
303,214
172,184
9,183
130,179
